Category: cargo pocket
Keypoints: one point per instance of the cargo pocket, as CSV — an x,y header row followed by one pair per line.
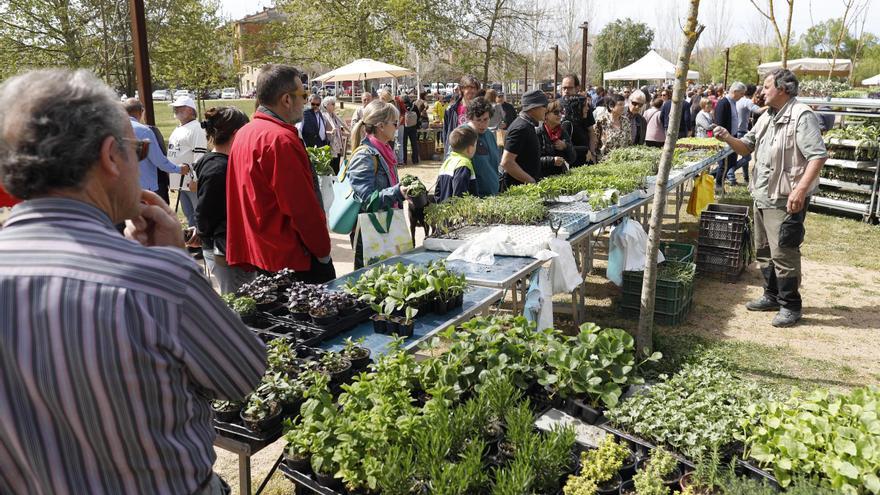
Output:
x,y
791,232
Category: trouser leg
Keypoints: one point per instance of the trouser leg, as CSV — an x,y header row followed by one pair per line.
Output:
x,y
189,200
764,256
785,233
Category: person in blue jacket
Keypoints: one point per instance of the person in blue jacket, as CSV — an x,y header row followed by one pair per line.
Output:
x,y
372,168
457,176
487,157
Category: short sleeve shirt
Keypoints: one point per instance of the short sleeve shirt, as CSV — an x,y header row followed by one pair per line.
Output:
x,y
522,140
185,146
808,138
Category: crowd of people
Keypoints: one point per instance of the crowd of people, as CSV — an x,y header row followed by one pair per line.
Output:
x,y
113,346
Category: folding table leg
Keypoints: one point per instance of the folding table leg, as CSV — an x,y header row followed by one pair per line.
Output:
x,y
244,473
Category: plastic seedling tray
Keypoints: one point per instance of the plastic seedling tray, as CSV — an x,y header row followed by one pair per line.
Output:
x,y
629,198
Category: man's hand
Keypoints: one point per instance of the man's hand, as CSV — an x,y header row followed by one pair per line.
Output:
x,y
720,133
559,145
184,169
193,186
559,161
157,225
591,157
795,201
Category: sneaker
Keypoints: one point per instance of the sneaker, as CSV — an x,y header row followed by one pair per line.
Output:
x,y
732,182
786,318
763,303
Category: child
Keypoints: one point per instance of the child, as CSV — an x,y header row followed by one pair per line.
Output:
x,y
457,175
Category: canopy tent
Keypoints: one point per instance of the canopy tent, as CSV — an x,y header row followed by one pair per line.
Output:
x,y
650,67
871,81
810,67
363,69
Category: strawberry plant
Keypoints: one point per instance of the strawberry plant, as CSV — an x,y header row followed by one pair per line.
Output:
x,y
321,158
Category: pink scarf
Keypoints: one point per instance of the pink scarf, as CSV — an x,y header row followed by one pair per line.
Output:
x,y
388,154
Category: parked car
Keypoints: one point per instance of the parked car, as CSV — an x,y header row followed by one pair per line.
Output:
x,y
161,95
183,92
230,94
211,94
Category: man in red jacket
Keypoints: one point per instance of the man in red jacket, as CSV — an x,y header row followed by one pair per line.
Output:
x,y
274,215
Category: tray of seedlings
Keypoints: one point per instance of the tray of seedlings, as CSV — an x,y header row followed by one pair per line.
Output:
x,y
292,369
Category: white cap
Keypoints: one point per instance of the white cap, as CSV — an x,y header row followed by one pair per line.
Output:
x,y
184,101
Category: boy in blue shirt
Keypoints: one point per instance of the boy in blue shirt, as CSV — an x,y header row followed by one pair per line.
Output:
x,y
457,175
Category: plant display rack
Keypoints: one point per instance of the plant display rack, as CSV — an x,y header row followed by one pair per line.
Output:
x,y
864,176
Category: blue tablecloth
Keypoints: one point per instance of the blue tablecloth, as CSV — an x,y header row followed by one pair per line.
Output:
x,y
476,299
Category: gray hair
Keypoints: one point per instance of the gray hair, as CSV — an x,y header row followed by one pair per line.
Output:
x,y
53,123
738,86
328,100
637,94
785,80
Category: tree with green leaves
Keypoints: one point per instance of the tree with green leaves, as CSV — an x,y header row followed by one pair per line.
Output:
x,y
621,43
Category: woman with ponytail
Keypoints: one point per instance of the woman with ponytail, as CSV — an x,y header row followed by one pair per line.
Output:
x,y
372,168
220,126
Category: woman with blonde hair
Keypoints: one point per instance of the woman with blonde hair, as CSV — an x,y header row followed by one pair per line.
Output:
x,y
372,168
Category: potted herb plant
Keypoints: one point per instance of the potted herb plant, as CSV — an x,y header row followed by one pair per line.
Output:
x,y
296,453
323,313
226,410
707,479
417,194
336,365
246,307
658,475
356,353
261,415
601,466
298,306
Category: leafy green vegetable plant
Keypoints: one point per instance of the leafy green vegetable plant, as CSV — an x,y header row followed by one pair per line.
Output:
x,y
245,306
321,158
650,478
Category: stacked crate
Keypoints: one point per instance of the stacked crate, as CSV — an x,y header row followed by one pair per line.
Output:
x,y
724,244
672,298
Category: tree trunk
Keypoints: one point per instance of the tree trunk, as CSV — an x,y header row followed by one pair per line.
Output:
x,y
644,337
843,29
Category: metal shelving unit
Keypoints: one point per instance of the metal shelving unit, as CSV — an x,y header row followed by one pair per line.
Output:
x,y
860,108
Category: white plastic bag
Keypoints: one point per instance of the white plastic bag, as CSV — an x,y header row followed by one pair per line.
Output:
x,y
538,306
325,184
564,272
627,246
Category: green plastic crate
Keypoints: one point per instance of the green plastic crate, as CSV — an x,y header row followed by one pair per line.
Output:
x,y
666,289
677,251
669,320
669,306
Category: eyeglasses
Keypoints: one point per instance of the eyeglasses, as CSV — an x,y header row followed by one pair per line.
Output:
x,y
301,93
636,103
141,148
316,104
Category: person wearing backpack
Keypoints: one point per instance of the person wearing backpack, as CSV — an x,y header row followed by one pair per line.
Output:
x,y
372,168
411,130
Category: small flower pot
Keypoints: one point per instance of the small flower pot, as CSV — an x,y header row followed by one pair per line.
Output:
x,y
627,488
610,487
405,328
329,481
361,358
300,315
291,409
673,480
298,464
628,470
226,416
249,319
440,306
262,425
380,325
326,320
459,300
348,310
267,302
582,410
340,375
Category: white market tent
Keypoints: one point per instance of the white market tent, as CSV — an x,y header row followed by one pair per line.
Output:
x,y
363,69
810,66
871,81
650,67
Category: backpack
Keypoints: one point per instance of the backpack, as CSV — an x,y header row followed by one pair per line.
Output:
x,y
411,118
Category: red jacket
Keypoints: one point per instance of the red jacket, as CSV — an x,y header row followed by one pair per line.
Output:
x,y
274,216
7,199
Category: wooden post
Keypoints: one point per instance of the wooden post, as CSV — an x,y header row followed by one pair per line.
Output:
x,y
142,59
526,80
555,69
726,65
644,334
585,43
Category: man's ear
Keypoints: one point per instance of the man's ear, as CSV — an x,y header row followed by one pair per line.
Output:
x,y
110,158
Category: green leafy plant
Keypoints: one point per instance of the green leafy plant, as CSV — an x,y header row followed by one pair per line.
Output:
x,y
470,210
226,405
695,410
596,365
414,186
228,298
603,463
245,306
831,440
321,157
259,408
649,479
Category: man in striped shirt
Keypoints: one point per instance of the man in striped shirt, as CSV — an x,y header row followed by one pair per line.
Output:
x,y
110,350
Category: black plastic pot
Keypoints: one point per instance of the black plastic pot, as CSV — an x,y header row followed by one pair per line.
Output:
x,y
262,425
339,376
628,470
405,328
268,302
459,301
329,481
300,315
673,480
610,487
440,306
323,321
627,488
348,310
359,363
301,465
249,320
291,409
226,416
582,410
380,325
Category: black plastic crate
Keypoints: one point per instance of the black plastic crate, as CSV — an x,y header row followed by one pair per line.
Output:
x,y
724,226
727,263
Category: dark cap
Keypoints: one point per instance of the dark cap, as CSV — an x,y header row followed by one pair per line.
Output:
x,y
534,99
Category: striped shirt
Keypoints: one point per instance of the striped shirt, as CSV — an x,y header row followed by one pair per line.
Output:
x,y
109,354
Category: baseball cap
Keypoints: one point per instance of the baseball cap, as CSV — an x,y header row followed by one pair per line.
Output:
x,y
184,101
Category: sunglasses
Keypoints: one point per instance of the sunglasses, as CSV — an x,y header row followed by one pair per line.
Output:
x,y
141,148
316,104
636,103
302,94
